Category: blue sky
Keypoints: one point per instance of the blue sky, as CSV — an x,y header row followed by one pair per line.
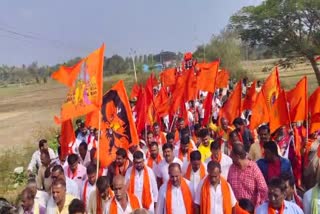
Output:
x,y
51,32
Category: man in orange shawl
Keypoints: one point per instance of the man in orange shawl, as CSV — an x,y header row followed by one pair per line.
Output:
x,y
277,203
175,195
208,196
122,202
141,182
194,170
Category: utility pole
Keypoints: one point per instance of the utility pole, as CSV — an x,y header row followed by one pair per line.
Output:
x,y
134,65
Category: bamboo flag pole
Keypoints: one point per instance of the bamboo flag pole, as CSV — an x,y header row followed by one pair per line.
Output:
x,y
98,149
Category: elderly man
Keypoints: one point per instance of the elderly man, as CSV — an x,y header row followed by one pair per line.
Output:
x,y
214,194
122,202
60,200
175,195
28,204
277,202
141,182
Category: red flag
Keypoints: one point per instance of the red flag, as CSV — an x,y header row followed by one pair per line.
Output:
x,y
232,108
141,107
161,103
250,97
259,113
271,87
85,82
67,137
135,91
206,79
223,77
297,99
279,115
117,122
151,82
207,109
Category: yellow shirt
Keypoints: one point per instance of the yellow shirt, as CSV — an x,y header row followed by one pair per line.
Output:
x,y
52,208
205,151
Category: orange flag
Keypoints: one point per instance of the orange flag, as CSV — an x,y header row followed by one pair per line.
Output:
x,y
168,77
141,107
279,115
271,87
85,85
232,108
117,125
92,119
250,97
161,103
178,91
223,77
206,79
67,137
260,113
314,109
297,99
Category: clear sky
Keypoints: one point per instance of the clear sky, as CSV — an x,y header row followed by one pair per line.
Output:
x,y
51,32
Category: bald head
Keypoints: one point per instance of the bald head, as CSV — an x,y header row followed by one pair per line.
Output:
x,y
224,123
119,187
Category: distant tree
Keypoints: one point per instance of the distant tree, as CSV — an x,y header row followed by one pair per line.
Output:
x,y
290,27
225,47
116,65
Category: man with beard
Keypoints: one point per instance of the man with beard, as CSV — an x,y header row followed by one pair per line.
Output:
x,y
244,133
89,184
155,157
120,165
141,182
256,150
122,202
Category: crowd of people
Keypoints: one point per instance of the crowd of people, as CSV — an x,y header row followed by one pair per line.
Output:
x,y
186,169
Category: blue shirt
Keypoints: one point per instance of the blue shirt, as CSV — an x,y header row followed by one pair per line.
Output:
x,y
289,208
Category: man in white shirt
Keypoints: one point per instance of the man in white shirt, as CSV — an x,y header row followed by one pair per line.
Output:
x,y
84,154
184,150
154,156
75,171
71,186
217,190
175,195
35,160
122,202
136,180
216,155
162,168
41,197
194,171
89,185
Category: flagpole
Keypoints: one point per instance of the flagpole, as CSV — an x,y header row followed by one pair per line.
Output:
x,y
98,149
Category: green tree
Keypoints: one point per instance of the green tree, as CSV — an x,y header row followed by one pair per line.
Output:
x,y
289,27
115,65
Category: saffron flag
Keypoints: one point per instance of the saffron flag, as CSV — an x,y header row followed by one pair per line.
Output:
x,y
168,77
135,91
297,99
161,103
250,97
207,108
279,114
67,138
141,107
92,119
206,79
314,110
85,85
271,87
223,77
260,112
118,128
232,108
178,91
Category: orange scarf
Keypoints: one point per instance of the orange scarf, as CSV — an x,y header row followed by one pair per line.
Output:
x,y
240,210
99,200
273,211
202,171
205,206
125,167
133,200
218,159
150,161
187,197
146,192
70,173
180,155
